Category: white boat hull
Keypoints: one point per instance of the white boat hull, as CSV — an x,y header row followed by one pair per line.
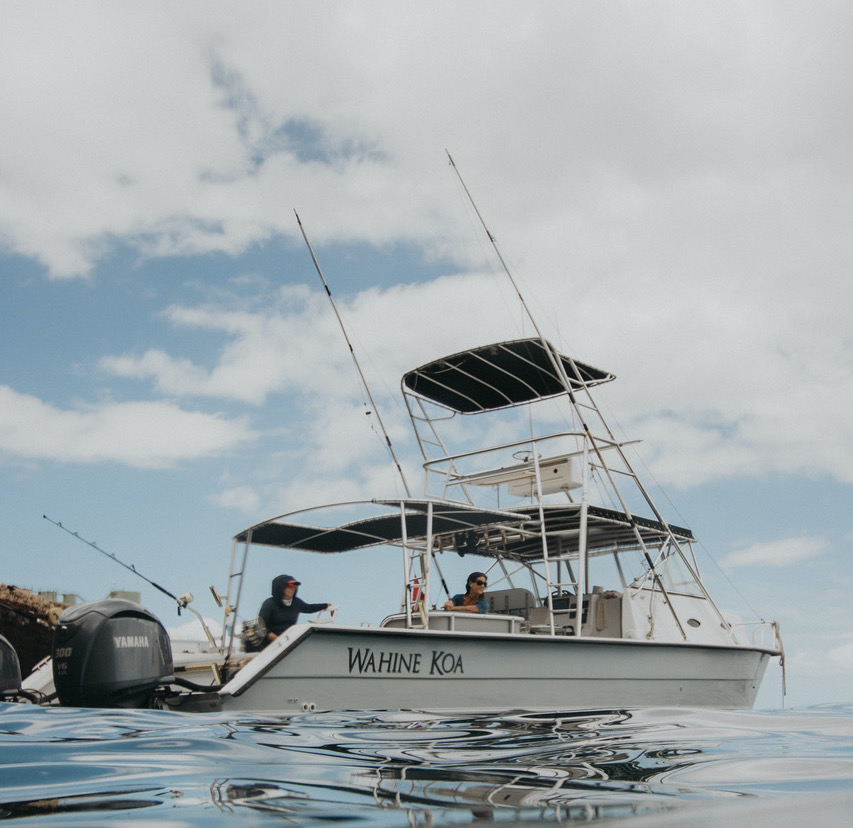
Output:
x,y
335,667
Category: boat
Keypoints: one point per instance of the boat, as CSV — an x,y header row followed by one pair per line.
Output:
x,y
591,603
595,599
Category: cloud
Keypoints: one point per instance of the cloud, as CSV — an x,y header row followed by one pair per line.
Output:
x,y
242,498
139,434
191,630
698,251
843,657
781,553
265,352
704,413
185,131
728,411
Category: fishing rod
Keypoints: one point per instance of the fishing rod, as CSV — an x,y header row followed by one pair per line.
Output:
x,y
182,602
354,358
364,383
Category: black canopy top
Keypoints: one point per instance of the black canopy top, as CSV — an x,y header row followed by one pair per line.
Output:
x,y
500,375
409,521
607,531
468,529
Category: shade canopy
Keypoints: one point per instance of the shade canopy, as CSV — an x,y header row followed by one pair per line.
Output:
x,y
469,530
409,521
501,375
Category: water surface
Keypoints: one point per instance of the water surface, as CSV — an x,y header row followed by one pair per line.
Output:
x,y
93,767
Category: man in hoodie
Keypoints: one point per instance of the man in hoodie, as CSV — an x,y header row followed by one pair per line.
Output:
x,y
281,610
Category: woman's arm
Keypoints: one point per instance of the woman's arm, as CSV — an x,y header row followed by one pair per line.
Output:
x,y
449,605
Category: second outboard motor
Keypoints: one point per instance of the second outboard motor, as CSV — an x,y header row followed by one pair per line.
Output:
x,y
10,667
111,653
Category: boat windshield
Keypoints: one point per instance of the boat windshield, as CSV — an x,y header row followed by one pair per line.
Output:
x,y
676,576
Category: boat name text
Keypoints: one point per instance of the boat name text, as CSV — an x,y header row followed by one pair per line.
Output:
x,y
439,663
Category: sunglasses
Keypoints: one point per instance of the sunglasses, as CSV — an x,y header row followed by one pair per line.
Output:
x,y
479,583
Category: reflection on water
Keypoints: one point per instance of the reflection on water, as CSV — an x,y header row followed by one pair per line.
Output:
x,y
83,767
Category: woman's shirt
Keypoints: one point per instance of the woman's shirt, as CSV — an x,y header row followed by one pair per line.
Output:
x,y
459,600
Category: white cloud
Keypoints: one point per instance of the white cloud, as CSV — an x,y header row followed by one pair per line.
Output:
x,y
191,630
786,552
171,376
266,352
188,130
140,434
703,259
731,410
842,657
242,498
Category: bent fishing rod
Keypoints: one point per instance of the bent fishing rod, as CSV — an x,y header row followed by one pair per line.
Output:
x,y
182,602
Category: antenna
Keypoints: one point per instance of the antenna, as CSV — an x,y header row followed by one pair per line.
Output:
x,y
354,358
182,602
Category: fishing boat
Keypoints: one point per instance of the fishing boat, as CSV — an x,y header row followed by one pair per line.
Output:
x,y
594,600
591,602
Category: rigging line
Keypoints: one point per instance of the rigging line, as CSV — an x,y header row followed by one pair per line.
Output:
x,y
354,358
684,522
182,602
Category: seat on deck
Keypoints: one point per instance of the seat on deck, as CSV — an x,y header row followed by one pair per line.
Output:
x,y
516,601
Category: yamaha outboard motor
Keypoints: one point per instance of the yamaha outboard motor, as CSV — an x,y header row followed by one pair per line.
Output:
x,y
10,667
111,653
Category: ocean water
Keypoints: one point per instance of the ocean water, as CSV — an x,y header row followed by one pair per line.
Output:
x,y
638,768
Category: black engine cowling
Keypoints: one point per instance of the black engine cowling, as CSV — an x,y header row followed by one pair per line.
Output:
x,y
111,653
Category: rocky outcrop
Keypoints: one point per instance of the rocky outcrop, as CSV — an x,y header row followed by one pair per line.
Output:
x,y
27,620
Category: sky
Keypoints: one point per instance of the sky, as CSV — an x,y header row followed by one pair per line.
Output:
x,y
669,183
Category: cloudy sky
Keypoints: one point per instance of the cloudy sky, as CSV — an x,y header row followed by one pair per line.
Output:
x,y
669,182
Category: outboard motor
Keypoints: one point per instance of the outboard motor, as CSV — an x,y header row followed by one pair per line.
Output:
x,y
10,667
111,653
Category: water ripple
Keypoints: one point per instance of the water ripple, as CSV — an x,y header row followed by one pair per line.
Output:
x,y
84,767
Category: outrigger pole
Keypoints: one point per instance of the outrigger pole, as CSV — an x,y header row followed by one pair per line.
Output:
x,y
561,373
354,358
496,249
182,602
